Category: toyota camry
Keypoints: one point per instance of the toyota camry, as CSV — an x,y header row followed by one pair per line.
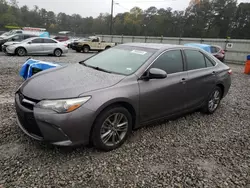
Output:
x,y
102,99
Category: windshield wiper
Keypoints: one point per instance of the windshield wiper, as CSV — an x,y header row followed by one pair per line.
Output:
x,y
96,68
100,69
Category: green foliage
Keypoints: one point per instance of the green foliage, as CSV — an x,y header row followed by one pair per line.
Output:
x,y
208,18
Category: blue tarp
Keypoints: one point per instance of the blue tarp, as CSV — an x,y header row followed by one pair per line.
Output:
x,y
44,34
205,47
27,68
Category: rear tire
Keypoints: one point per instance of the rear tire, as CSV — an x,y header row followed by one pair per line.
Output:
x,y
58,52
85,49
213,101
21,51
111,128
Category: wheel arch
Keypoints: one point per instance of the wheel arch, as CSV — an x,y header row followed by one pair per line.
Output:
x,y
19,48
84,45
222,87
57,48
116,102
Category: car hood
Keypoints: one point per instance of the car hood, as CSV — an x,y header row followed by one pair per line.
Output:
x,y
67,82
10,43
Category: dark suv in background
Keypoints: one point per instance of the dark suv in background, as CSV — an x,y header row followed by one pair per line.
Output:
x,y
13,38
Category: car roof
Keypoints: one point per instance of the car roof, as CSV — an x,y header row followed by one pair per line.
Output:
x,y
197,44
154,45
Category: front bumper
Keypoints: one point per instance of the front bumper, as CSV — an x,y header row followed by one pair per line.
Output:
x,y
66,50
58,129
4,48
10,51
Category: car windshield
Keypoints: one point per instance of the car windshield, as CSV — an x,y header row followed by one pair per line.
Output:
x,y
27,40
121,59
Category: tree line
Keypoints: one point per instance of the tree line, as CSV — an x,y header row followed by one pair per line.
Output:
x,y
205,19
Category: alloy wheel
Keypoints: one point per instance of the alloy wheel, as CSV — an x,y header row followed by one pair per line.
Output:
x,y
21,52
58,53
114,129
214,101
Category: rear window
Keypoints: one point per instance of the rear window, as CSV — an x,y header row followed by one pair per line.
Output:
x,y
49,41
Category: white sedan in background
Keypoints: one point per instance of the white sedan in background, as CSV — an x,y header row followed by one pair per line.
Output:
x,y
39,46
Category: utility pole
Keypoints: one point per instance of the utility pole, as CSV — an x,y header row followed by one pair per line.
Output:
x,y
111,18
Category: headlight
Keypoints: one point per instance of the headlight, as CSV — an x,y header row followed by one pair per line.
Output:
x,y
10,47
63,106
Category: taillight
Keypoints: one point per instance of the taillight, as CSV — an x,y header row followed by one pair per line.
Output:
x,y
222,51
230,71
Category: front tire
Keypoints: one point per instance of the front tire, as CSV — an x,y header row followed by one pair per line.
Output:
x,y
21,52
85,49
107,47
213,101
111,128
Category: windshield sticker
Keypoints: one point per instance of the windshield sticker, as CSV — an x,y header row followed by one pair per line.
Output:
x,y
129,69
139,52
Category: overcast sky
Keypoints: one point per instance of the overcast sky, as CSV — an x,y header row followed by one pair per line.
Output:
x,y
95,7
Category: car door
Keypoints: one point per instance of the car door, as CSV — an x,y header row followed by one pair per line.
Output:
x,y
163,97
49,45
95,44
201,77
35,46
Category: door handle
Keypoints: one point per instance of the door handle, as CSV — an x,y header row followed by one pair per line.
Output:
x,y
213,73
183,80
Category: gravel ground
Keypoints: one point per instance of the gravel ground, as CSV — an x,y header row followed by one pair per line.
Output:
x,y
193,151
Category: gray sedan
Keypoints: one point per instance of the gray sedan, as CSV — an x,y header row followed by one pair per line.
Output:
x,y
102,99
38,46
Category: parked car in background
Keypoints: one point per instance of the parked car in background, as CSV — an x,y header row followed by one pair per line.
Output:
x,y
15,40
75,43
93,44
215,50
100,100
37,45
12,38
61,38
2,32
70,42
12,32
218,52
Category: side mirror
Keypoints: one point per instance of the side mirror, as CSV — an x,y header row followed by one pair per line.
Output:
x,y
155,73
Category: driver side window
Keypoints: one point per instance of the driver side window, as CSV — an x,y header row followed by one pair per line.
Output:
x,y
170,61
37,41
95,40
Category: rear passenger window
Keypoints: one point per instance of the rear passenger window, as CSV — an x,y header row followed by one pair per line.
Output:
x,y
195,60
170,61
209,62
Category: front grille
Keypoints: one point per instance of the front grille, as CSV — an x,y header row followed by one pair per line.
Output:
x,y
26,118
28,122
29,102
